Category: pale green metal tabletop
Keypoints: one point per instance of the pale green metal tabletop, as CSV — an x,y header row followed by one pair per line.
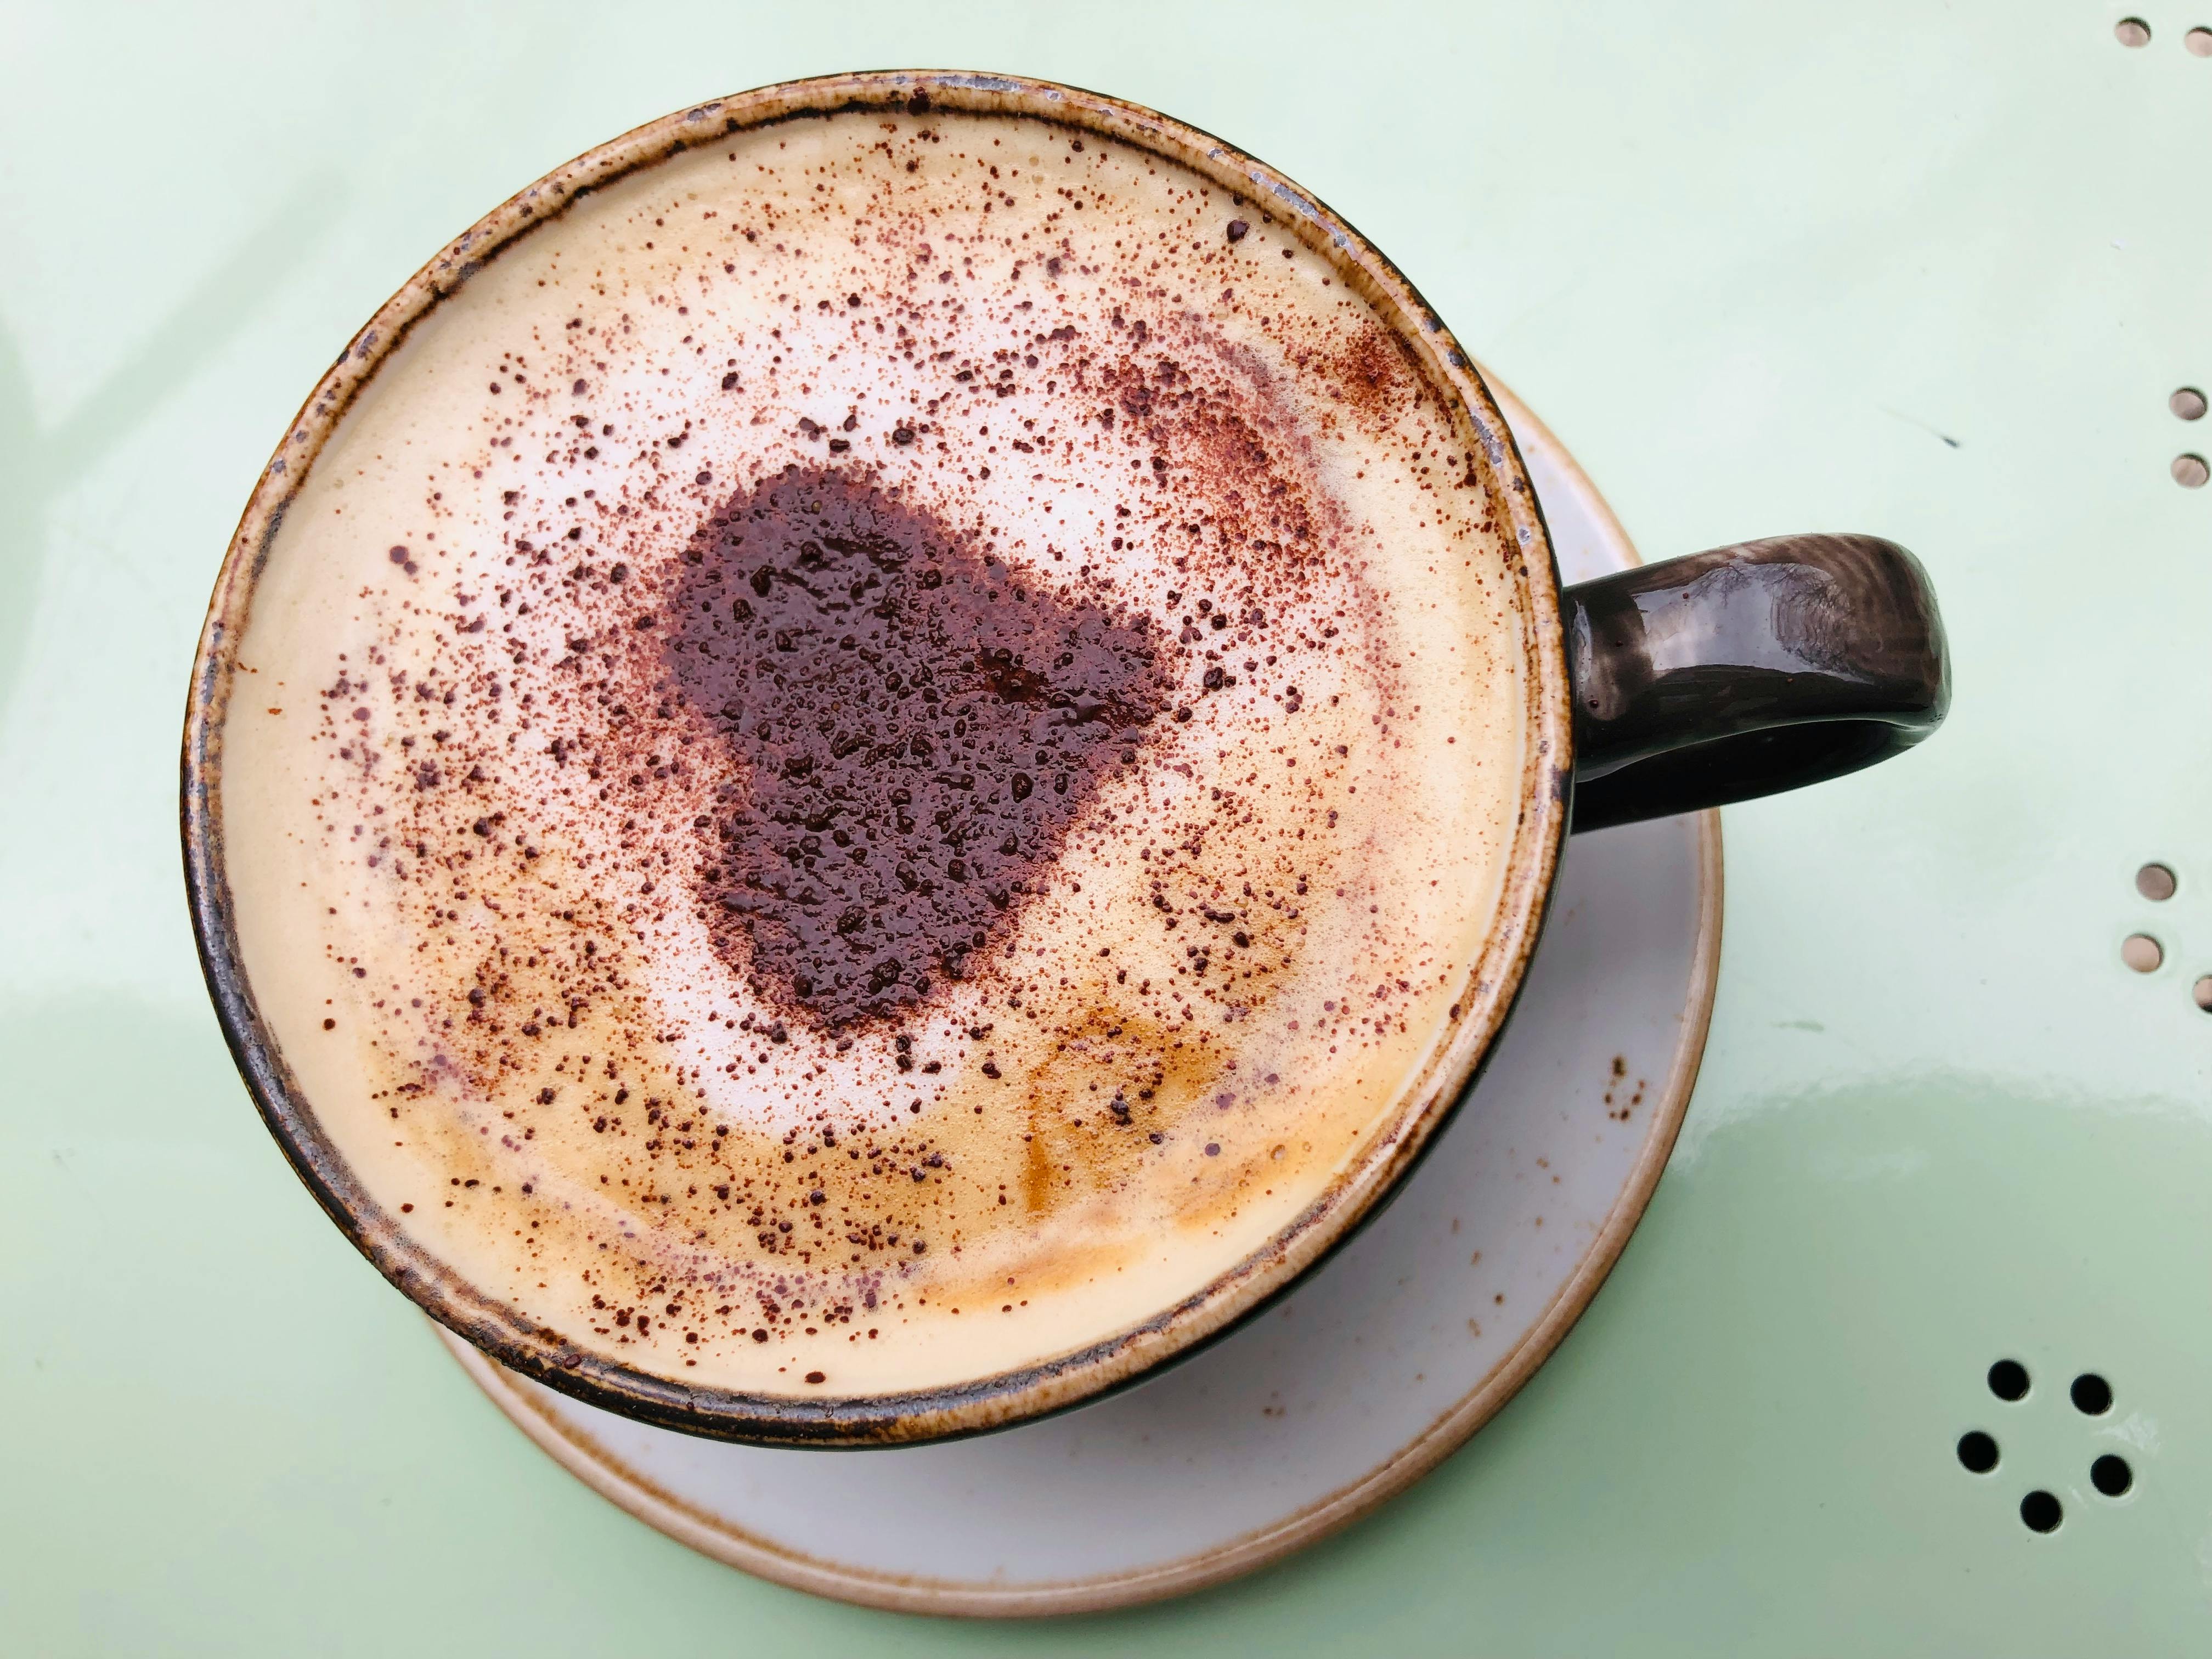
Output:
x,y
1930,271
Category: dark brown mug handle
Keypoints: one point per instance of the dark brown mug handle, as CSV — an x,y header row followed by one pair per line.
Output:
x,y
1748,670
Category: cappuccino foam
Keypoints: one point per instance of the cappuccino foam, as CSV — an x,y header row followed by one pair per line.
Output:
x,y
875,754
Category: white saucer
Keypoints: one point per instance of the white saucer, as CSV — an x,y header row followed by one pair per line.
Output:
x,y
1359,1381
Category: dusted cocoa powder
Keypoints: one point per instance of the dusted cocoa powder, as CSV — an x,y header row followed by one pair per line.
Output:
x,y
918,726
880,754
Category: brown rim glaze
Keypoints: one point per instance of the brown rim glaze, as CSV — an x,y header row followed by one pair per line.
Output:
x,y
634,1492
1012,1396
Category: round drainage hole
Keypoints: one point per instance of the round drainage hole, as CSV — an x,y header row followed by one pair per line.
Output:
x,y
2156,882
2041,1511
1977,1451
2141,952
2187,401
2009,1380
2202,992
2189,472
2110,1475
2131,32
2199,41
2093,1395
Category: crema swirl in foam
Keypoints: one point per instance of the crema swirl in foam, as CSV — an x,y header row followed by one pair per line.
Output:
x,y
874,754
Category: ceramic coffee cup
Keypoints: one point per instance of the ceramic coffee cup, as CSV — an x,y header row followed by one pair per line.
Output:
x,y
1717,677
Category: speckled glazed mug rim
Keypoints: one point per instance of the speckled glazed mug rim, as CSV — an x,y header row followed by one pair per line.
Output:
x,y
1122,1356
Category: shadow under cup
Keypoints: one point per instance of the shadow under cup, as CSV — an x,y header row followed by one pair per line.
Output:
x,y
1678,686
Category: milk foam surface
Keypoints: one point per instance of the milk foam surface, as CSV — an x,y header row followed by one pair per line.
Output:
x,y
553,940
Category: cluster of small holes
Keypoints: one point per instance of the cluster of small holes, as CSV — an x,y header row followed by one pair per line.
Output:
x,y
2040,1510
2134,32
2142,951
2188,469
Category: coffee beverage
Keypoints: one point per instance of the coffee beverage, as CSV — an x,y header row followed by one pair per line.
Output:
x,y
892,746
876,753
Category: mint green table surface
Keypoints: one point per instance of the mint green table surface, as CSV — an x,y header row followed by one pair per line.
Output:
x,y
1928,270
